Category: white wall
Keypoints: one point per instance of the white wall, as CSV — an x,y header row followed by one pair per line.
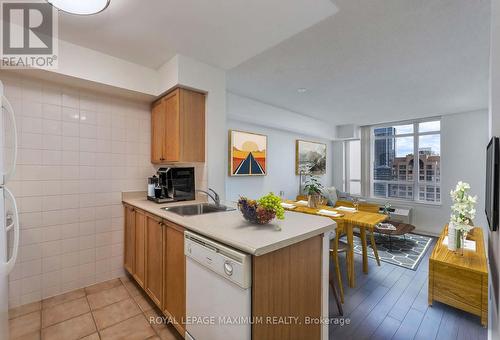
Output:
x,y
254,112
280,165
494,130
281,148
463,158
91,65
71,172
212,80
78,151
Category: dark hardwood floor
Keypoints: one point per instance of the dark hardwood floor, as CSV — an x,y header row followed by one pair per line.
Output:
x,y
390,302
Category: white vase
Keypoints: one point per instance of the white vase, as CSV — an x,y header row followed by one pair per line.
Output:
x,y
452,237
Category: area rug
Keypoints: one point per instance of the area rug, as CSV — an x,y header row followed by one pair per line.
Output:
x,y
407,252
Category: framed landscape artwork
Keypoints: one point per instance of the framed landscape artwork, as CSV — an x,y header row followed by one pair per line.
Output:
x,y
310,157
247,153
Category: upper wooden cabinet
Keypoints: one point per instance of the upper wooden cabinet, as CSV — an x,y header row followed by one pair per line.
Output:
x,y
178,127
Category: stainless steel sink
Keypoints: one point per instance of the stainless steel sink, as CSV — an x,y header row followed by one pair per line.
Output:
x,y
197,209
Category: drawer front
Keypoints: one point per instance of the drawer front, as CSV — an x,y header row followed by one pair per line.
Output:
x,y
457,287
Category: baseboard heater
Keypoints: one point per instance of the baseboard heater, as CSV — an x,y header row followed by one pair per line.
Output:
x,y
399,214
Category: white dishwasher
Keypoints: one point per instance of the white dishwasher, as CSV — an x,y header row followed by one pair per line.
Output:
x,y
218,290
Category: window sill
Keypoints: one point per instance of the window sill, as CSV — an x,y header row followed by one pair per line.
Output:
x,y
403,202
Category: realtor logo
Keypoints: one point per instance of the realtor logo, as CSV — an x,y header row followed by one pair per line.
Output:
x,y
29,35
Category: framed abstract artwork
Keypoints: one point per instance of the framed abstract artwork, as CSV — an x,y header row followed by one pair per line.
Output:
x,y
247,154
310,157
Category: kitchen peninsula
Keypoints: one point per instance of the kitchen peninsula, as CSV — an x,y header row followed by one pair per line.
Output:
x,y
289,273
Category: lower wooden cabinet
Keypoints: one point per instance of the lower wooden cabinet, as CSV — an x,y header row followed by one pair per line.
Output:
x,y
140,247
174,290
154,258
129,239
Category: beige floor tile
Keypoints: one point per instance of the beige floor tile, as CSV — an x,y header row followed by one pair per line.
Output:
x,y
64,311
107,297
56,300
144,302
132,288
103,286
164,331
117,312
24,309
168,333
71,329
31,336
156,337
136,328
125,278
25,324
94,336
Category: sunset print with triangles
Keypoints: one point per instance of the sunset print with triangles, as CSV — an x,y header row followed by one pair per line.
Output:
x,y
247,154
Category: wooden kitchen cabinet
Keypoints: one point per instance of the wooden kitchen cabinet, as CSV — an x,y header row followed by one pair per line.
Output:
x,y
154,258
178,127
129,240
158,131
140,247
174,303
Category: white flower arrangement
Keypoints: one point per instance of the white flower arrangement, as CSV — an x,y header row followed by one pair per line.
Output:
x,y
463,209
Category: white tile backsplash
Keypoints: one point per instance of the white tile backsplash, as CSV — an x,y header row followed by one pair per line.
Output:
x,y
78,151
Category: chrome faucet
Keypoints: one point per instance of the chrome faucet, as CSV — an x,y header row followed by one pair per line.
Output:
x,y
215,197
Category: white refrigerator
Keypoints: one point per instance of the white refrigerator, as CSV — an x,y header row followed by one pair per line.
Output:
x,y
9,218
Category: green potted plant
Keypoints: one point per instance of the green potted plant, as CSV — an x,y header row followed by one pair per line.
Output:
x,y
313,189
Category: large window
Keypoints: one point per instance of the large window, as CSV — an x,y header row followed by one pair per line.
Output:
x,y
352,180
396,173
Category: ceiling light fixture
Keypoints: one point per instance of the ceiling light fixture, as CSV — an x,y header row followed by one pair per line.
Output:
x,y
80,7
302,90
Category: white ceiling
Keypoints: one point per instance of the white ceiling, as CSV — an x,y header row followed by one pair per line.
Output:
x,y
222,33
378,61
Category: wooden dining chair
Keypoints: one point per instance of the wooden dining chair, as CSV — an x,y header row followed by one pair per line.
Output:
x,y
368,207
374,245
336,296
337,247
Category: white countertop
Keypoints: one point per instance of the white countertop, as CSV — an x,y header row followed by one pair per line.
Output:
x,y
230,228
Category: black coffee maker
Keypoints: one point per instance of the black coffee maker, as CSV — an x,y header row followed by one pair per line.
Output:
x,y
174,184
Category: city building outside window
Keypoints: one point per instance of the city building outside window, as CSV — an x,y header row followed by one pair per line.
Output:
x,y
395,172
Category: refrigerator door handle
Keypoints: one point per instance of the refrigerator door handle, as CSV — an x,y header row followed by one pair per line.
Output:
x,y
10,221
15,225
6,105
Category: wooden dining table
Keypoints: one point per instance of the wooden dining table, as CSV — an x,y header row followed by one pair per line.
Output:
x,y
347,221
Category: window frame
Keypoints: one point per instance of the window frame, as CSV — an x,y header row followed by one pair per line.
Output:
x,y
347,173
416,168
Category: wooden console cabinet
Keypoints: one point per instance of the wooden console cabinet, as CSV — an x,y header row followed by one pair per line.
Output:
x,y
154,256
178,127
460,280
